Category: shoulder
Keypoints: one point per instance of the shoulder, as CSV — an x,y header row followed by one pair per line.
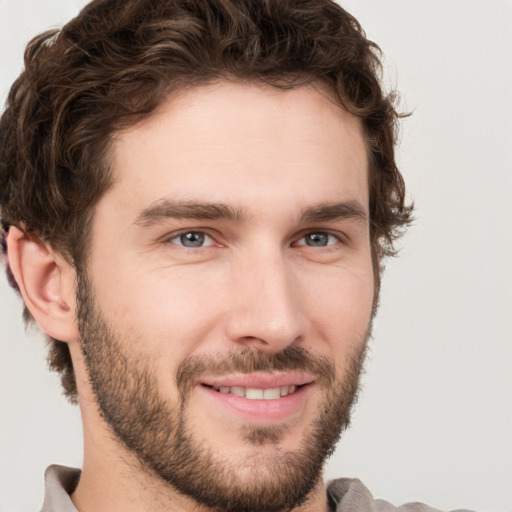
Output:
x,y
351,495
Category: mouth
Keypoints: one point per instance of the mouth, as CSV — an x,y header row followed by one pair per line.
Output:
x,y
260,398
257,393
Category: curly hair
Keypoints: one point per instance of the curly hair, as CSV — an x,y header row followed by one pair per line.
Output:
x,y
118,60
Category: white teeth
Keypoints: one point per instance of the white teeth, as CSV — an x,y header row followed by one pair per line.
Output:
x,y
238,391
271,394
258,394
254,394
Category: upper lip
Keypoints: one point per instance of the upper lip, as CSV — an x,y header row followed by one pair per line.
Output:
x,y
259,380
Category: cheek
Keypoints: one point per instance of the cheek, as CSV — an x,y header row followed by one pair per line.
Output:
x,y
171,310
340,305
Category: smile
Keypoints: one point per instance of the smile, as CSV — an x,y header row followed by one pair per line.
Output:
x,y
258,398
258,393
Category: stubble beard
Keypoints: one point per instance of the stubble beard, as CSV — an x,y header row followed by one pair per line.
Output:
x,y
159,435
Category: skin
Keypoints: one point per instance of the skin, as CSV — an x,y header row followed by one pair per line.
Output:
x,y
269,156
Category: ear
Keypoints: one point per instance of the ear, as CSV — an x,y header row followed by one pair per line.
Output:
x,y
46,282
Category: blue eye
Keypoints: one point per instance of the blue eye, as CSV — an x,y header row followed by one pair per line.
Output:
x,y
192,239
318,239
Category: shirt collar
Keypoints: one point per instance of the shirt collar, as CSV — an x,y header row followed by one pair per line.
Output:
x,y
60,482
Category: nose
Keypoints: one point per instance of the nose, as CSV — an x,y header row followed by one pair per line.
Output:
x,y
266,311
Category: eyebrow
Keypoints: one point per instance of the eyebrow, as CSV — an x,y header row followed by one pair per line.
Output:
x,y
168,209
335,211
165,209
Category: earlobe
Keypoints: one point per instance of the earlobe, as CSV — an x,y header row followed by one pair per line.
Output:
x,y
46,283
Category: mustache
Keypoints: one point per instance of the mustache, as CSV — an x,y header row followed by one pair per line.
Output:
x,y
250,360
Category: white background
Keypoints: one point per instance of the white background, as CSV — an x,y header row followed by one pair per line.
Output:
x,y
434,422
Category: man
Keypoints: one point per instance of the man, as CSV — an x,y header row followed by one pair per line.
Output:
x,y
197,198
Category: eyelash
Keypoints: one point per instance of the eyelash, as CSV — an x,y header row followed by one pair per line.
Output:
x,y
202,234
330,236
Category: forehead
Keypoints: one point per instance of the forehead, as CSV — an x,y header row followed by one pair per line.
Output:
x,y
244,142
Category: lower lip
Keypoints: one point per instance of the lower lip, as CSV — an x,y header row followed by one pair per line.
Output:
x,y
261,411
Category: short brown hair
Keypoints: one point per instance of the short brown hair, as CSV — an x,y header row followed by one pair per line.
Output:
x,y
118,60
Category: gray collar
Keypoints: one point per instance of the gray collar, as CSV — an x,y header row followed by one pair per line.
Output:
x,y
60,482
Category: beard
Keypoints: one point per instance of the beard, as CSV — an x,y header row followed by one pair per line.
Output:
x,y
162,437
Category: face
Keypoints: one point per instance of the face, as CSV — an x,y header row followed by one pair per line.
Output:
x,y
225,343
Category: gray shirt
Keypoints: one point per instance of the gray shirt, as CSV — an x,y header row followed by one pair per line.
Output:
x,y
344,495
